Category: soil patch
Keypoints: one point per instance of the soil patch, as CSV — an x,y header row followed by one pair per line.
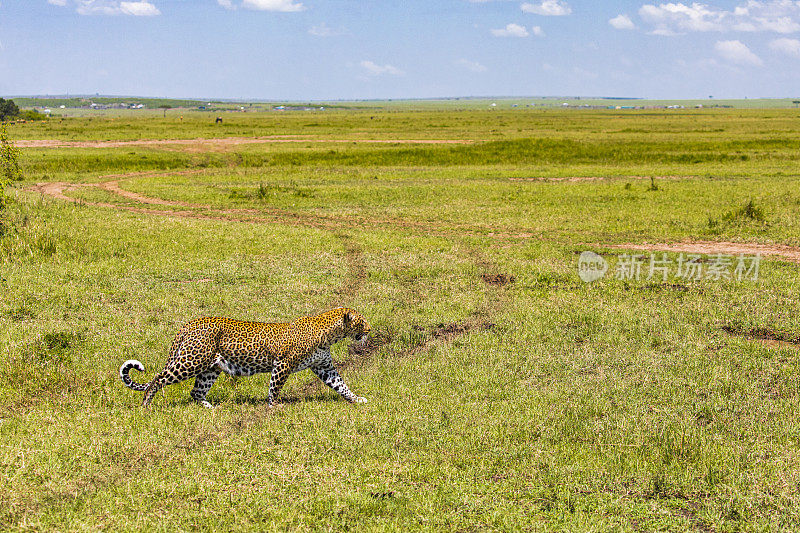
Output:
x,y
201,280
779,251
767,336
497,279
600,178
452,329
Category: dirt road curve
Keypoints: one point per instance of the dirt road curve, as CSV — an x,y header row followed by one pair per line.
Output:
x,y
218,143
263,214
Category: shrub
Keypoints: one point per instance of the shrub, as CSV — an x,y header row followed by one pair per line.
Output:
x,y
32,114
749,214
10,170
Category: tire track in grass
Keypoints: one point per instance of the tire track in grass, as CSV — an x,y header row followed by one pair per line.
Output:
x,y
249,215
58,189
225,142
335,222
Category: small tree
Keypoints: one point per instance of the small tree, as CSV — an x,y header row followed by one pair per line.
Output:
x,y
8,109
165,107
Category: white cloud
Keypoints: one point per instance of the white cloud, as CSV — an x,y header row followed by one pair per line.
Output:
x,y
787,46
285,6
622,22
323,30
673,18
554,8
91,7
537,31
663,31
378,70
227,4
139,9
112,7
511,30
737,52
474,66
779,16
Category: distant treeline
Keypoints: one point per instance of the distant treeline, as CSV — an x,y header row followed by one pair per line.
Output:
x,y
152,103
9,110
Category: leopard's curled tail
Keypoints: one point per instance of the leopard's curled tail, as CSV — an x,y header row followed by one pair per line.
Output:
x,y
123,373
133,363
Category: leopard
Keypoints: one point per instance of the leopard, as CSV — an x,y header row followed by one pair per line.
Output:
x,y
206,347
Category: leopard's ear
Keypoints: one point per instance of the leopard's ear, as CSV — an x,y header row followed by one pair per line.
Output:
x,y
347,318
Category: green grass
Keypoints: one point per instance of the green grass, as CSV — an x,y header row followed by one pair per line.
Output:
x,y
616,405
721,125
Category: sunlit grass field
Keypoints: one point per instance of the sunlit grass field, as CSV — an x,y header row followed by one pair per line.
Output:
x,y
504,392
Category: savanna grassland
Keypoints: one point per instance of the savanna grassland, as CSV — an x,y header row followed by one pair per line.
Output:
x,y
504,392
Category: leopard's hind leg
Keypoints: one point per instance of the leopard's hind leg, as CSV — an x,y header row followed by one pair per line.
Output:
x,y
193,356
163,379
203,383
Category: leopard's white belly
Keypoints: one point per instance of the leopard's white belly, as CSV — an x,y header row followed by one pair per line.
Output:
x,y
242,368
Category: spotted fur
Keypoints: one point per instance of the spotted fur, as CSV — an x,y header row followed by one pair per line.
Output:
x,y
206,347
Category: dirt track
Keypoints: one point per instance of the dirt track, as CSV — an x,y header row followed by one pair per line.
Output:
x,y
780,251
223,142
262,215
339,222
599,178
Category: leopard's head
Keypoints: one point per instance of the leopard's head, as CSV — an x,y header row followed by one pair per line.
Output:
x,y
356,326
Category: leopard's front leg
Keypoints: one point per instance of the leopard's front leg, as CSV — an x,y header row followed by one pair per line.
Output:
x,y
328,374
280,371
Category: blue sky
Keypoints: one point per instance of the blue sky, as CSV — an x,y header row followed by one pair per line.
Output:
x,y
347,49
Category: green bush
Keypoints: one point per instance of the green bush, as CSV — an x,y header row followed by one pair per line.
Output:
x,y
749,214
10,170
32,114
